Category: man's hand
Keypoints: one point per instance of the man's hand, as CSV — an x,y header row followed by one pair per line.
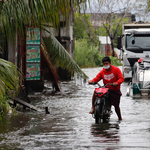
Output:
x,y
90,81
115,83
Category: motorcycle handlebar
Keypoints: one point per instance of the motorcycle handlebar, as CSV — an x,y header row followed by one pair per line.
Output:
x,y
108,84
94,83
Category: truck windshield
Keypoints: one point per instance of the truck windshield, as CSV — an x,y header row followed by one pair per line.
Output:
x,y
138,42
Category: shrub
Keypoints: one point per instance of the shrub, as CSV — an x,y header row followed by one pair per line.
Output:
x,y
115,61
87,55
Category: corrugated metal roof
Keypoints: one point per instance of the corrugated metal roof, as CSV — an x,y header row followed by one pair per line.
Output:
x,y
102,39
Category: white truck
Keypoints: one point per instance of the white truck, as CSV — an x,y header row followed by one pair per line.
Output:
x,y
134,44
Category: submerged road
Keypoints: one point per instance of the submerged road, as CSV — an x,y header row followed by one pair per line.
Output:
x,y
69,126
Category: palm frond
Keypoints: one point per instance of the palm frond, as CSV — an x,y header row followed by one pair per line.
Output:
x,y
61,57
9,77
50,65
15,14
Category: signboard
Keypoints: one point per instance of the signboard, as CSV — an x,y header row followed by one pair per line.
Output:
x,y
33,54
33,36
33,71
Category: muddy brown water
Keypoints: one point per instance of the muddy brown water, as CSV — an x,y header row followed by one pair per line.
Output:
x,y
69,126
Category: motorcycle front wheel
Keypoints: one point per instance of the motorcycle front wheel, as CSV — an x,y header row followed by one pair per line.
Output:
x,y
98,113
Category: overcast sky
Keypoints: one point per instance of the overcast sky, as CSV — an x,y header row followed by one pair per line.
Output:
x,y
137,8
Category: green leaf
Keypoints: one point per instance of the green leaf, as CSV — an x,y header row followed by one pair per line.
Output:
x,y
60,56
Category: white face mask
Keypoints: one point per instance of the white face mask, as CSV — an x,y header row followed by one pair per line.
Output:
x,y
106,67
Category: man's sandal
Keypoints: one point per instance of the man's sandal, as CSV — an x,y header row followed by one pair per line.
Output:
x,y
92,111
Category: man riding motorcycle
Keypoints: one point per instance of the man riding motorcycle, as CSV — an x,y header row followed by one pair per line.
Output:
x,y
110,74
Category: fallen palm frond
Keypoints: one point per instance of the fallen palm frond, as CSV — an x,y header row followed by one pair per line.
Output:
x,y
50,65
60,57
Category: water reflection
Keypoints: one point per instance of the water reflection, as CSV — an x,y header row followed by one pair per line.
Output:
x,y
105,133
13,123
69,125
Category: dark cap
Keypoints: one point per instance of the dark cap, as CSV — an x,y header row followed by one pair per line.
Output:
x,y
106,58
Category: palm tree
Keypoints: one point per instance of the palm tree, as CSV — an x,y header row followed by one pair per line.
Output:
x,y
15,14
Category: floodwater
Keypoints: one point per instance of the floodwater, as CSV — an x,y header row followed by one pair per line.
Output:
x,y
69,126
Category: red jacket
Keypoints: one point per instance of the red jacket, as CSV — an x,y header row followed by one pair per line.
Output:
x,y
111,76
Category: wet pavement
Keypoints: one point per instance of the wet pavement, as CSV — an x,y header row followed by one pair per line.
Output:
x,y
69,126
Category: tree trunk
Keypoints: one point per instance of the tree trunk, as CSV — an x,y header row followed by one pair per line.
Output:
x,y
112,46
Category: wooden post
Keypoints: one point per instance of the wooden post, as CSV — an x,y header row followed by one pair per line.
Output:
x,y
24,107
46,110
14,103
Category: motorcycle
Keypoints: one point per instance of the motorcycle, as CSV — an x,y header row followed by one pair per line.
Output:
x,y
140,83
102,103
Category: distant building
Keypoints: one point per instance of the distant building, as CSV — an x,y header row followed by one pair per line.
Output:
x,y
105,45
97,23
98,19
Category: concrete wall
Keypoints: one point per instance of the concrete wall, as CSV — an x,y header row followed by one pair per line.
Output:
x,y
66,33
103,48
12,50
